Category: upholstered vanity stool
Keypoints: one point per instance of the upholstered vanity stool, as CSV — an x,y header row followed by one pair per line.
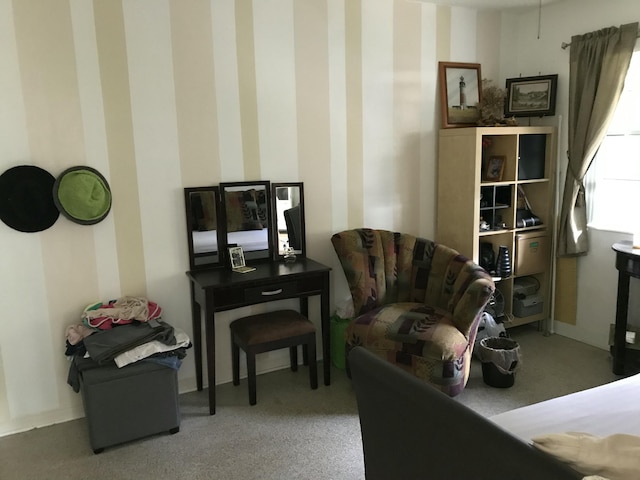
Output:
x,y
269,331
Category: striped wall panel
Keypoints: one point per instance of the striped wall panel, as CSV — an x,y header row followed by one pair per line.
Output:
x,y
164,94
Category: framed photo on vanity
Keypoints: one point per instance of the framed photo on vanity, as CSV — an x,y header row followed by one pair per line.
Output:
x,y
236,256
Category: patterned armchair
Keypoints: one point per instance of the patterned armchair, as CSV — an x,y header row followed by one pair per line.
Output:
x,y
417,304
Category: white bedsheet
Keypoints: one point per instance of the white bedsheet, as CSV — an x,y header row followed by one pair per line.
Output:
x,y
249,240
604,410
205,242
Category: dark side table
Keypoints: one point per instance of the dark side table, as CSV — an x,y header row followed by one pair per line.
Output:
x,y
628,265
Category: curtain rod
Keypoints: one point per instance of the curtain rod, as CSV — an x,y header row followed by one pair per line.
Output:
x,y
564,45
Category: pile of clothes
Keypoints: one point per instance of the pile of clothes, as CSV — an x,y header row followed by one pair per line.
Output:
x,y
123,331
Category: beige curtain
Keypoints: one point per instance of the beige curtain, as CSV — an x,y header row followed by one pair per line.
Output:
x,y
598,66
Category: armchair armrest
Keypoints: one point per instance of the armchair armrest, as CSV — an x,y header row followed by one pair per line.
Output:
x,y
475,290
453,283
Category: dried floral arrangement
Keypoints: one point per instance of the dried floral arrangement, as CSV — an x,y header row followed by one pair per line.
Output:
x,y
491,107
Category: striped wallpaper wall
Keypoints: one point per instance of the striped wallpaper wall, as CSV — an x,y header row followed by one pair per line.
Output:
x,y
159,95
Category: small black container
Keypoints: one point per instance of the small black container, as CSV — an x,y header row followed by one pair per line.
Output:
x,y
502,351
495,378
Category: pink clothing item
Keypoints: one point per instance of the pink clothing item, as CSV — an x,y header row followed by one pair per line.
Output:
x,y
120,312
76,333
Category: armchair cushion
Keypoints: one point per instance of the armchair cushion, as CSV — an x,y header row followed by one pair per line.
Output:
x,y
417,303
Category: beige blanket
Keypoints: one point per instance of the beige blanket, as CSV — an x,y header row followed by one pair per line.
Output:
x,y
616,457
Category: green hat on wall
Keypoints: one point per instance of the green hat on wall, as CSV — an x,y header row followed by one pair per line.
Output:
x,y
26,202
82,195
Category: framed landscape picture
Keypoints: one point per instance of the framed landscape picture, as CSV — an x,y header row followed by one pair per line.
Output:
x,y
531,96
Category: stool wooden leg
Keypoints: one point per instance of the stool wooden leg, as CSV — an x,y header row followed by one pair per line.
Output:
x,y
313,364
235,362
305,355
251,376
293,356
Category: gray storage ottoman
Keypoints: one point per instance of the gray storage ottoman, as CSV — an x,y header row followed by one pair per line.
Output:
x,y
128,403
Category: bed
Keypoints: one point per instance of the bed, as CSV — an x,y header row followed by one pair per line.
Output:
x,y
410,430
250,240
605,410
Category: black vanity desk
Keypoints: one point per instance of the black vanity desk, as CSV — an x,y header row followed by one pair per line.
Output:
x,y
220,289
628,265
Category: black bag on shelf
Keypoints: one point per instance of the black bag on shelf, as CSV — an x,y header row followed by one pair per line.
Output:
x,y
526,218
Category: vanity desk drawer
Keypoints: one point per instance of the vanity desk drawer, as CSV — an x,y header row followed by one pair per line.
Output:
x,y
273,291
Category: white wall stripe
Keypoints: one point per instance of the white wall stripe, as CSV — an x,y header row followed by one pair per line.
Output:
x,y
463,34
429,122
276,89
227,91
313,120
377,113
338,114
16,246
153,110
26,319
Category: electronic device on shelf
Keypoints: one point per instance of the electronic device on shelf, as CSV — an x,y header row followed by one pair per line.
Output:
x,y
526,299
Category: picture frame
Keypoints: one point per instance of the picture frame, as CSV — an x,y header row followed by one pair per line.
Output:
x,y
236,256
460,93
531,96
494,168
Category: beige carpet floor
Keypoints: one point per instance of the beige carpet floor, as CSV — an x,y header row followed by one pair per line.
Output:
x,y
292,433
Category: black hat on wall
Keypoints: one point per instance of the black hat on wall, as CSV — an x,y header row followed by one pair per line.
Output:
x,y
26,199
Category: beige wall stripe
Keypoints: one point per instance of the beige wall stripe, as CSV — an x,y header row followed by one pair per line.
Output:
x,y
192,47
353,57
44,39
114,76
566,290
49,81
407,92
312,100
223,21
443,34
248,96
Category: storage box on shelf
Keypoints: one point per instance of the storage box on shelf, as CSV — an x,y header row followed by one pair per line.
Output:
x,y
484,176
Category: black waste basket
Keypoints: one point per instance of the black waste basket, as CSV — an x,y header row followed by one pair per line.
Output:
x,y
500,357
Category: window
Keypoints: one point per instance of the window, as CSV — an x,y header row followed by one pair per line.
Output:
x,y
613,180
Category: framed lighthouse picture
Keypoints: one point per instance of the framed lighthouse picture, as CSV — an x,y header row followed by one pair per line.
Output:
x,y
460,91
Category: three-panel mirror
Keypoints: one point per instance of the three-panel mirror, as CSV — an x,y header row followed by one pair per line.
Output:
x,y
260,217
